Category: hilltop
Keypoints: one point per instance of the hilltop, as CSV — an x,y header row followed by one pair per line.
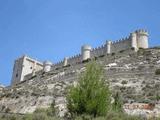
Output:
x,y
136,75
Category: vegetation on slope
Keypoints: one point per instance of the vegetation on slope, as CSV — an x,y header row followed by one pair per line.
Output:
x,y
90,99
91,93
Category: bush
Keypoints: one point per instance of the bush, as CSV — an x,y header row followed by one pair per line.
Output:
x,y
91,95
113,54
124,82
157,97
157,72
121,51
117,104
85,61
101,56
132,48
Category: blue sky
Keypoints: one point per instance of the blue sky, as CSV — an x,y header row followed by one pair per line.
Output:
x,y
53,29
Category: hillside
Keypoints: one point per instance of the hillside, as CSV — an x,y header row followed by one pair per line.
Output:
x,y
133,74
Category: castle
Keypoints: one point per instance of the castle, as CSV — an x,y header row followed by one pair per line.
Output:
x,y
26,66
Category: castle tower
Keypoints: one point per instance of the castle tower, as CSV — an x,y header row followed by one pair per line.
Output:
x,y
65,62
86,52
108,43
47,66
142,39
24,66
133,37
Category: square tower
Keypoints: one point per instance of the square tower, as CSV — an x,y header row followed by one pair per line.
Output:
x,y
24,66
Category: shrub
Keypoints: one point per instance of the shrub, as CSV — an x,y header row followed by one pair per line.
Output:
x,y
124,82
85,61
91,95
157,97
101,56
113,54
157,72
141,48
117,104
132,48
121,51
95,58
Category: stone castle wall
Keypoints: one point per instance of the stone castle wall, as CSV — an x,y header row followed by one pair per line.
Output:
x,y
136,40
99,51
71,61
116,46
75,59
122,44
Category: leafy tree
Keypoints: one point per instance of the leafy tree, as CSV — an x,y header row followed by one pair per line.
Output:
x,y
91,95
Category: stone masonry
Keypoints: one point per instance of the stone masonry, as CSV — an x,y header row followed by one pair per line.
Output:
x,y
25,66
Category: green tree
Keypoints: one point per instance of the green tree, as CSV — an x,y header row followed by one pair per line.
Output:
x,y
91,95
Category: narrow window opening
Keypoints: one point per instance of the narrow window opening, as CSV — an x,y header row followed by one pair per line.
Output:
x,y
17,75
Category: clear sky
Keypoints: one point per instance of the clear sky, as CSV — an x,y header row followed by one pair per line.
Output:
x,y
53,29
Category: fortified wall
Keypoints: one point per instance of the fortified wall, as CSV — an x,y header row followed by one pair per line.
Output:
x,y
28,67
136,40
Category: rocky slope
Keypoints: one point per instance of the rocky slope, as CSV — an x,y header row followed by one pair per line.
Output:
x,y
134,75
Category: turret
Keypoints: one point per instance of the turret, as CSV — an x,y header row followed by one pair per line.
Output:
x,y
86,52
133,37
65,62
108,43
142,38
47,66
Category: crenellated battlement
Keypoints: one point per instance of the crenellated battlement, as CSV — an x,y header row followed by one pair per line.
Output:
x,y
137,39
114,46
141,38
142,32
74,57
98,48
122,40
